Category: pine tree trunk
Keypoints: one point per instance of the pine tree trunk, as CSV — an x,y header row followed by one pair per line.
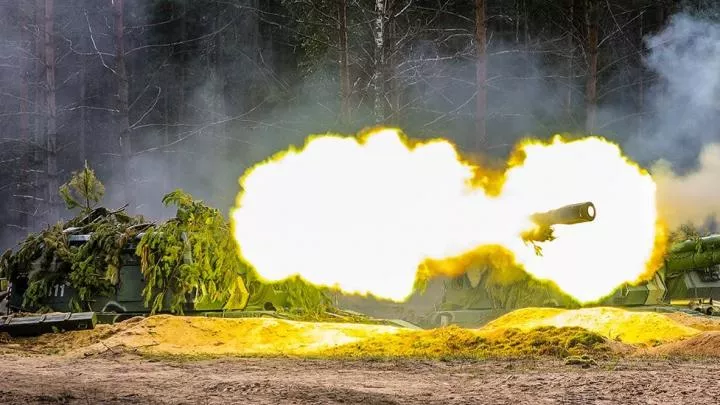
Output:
x,y
592,24
37,183
641,84
660,16
39,44
51,145
480,74
166,132
221,145
83,113
172,160
24,180
393,90
123,103
378,74
571,61
344,63
518,7
24,82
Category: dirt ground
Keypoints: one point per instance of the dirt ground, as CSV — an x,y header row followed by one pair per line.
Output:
x,y
129,379
637,358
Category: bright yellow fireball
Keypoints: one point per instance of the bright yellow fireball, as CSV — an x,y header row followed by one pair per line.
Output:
x,y
362,214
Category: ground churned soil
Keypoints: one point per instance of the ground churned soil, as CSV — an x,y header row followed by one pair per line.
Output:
x,y
530,356
706,344
118,378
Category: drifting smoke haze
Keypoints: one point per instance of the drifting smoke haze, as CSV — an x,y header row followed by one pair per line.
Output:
x,y
683,137
693,197
235,100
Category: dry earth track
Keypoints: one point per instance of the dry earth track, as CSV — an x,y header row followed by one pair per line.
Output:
x,y
116,378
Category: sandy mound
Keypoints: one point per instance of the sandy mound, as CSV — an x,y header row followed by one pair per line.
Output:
x,y
198,337
525,332
696,322
455,342
614,323
57,343
704,344
246,336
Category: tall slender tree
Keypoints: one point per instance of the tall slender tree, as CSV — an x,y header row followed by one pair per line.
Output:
x,y
571,59
345,89
641,73
591,94
379,68
480,74
50,104
24,182
123,104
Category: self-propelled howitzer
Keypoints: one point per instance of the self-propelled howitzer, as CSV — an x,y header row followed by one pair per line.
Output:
x,y
689,275
467,300
692,269
700,253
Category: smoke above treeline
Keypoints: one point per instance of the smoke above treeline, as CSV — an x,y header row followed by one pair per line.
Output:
x,y
682,140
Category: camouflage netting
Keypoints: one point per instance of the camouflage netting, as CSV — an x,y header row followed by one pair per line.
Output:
x,y
489,278
92,269
192,256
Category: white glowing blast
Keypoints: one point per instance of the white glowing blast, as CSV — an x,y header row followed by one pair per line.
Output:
x,y
363,215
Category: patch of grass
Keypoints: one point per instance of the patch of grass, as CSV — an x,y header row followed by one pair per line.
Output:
x,y
454,343
585,361
447,344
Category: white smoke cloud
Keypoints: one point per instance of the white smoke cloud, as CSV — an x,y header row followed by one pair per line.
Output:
x,y
685,101
683,133
694,196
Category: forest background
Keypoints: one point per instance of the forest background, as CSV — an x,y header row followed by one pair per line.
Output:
x,y
165,94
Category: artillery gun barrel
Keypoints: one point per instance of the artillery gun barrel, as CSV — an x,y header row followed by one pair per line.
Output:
x,y
711,242
567,215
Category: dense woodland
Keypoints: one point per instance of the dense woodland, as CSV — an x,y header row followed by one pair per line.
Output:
x,y
161,94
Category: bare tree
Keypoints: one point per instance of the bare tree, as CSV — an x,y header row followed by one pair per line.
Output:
x,y
345,89
123,97
641,84
591,95
83,113
480,73
571,58
39,77
25,188
50,104
378,78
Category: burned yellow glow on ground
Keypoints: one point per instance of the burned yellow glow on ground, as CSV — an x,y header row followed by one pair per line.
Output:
x,y
525,332
199,336
632,327
362,213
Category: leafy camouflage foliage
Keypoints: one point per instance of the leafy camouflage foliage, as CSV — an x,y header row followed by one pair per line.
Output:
x,y
91,268
684,232
83,190
190,256
193,253
499,283
691,231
